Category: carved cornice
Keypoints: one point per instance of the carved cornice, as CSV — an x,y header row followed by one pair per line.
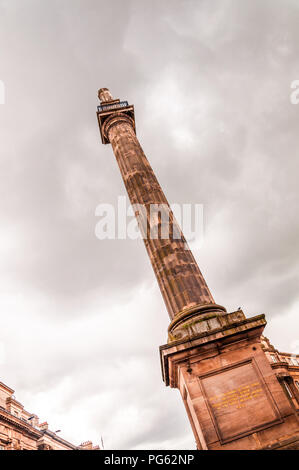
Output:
x,y
52,436
284,365
6,387
19,424
173,353
116,118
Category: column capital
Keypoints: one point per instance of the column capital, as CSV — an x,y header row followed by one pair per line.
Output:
x,y
111,112
113,120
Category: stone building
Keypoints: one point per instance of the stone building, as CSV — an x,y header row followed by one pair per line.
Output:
x,y
286,367
218,360
21,430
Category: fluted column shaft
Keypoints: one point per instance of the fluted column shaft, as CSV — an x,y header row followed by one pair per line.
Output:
x,y
180,280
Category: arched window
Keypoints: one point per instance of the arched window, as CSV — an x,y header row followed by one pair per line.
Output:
x,y
288,389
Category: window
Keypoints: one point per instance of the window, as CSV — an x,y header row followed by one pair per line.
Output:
x,y
273,358
294,361
288,390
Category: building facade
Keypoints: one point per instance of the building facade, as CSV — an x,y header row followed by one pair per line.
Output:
x,y
286,368
21,430
218,360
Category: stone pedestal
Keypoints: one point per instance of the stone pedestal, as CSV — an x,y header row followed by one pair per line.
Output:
x,y
232,395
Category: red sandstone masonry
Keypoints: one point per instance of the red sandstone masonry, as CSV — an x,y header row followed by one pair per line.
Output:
x,y
181,282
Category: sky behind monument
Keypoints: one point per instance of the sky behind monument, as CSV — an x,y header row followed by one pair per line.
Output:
x,y
82,319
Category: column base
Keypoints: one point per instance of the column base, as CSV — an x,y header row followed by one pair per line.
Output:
x,y
231,393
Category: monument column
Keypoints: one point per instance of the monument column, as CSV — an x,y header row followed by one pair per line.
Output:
x,y
232,395
181,283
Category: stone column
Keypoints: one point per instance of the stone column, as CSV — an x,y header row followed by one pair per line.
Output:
x,y
181,283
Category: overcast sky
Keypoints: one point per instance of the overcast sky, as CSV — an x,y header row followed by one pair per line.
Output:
x,y
82,319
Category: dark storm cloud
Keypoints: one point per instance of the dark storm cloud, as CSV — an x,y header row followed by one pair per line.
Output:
x,y
211,83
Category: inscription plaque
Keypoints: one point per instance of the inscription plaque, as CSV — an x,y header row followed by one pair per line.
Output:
x,y
238,401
